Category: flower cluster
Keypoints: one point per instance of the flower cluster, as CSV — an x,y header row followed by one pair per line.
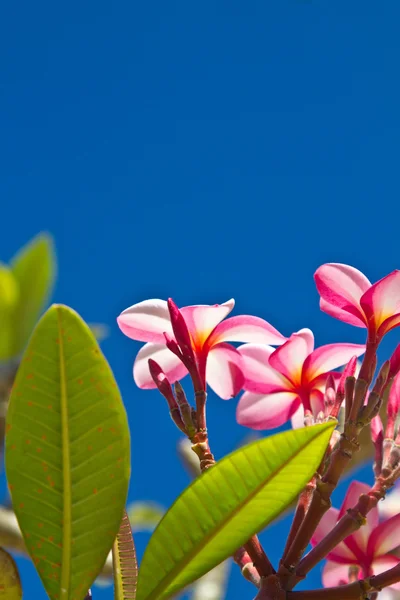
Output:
x,y
280,384
287,379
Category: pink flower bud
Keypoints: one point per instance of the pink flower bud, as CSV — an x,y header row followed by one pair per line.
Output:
x,y
376,430
349,371
180,330
393,407
395,363
162,383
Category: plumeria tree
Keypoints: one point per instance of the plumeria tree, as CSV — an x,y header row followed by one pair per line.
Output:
x,y
67,447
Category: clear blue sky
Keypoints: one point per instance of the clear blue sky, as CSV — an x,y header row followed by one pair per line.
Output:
x,y
200,150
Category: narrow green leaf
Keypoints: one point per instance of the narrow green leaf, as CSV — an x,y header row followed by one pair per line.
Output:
x,y
34,270
10,583
67,454
125,567
8,301
226,505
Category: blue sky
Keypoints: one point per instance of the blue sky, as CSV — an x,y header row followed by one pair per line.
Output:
x,y
200,151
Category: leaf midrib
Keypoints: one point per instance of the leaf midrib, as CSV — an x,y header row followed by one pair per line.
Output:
x,y
164,583
66,466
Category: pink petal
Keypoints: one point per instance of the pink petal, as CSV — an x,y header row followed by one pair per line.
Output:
x,y
386,537
317,402
289,358
202,319
388,325
384,563
329,357
260,377
382,301
341,314
146,321
246,328
223,371
267,411
359,539
341,552
341,287
335,574
391,505
170,364
297,419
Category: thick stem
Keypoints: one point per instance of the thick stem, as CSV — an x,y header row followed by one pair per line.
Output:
x,y
258,556
201,447
348,524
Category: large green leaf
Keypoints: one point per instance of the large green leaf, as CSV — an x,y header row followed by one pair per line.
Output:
x,y
10,584
226,505
34,270
67,454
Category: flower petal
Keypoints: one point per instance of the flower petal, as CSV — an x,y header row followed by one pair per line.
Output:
x,y
201,319
289,358
334,574
329,357
341,553
317,402
223,371
246,328
358,541
297,419
341,314
382,300
170,364
341,287
146,321
388,325
391,505
259,411
386,537
260,377
384,563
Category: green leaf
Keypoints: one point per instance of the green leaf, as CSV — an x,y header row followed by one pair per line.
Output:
x,y
34,270
67,453
226,505
145,516
10,583
125,565
8,301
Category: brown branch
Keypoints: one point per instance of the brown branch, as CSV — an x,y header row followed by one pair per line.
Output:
x,y
348,524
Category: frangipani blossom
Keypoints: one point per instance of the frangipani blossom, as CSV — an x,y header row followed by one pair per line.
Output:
x,y
282,384
149,320
370,548
348,295
391,504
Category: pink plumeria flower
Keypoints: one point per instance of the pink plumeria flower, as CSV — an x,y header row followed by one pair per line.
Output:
x,y
348,295
370,548
282,384
391,505
147,321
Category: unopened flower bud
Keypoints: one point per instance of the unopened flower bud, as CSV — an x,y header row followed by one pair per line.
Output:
x,y
330,394
181,331
172,345
393,407
185,408
349,371
394,363
164,387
